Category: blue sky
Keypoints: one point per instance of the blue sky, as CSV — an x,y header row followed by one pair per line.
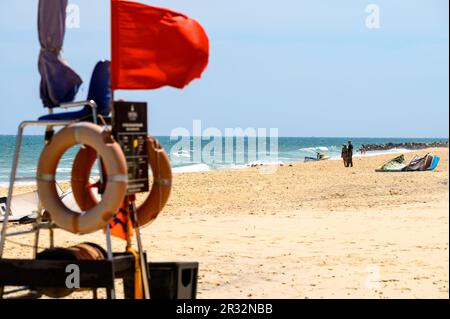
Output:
x,y
308,68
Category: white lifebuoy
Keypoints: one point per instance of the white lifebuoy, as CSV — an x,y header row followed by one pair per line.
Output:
x,y
95,217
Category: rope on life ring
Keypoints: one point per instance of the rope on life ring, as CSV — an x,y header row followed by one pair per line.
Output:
x,y
99,215
160,190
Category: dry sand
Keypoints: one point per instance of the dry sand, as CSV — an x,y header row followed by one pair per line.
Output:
x,y
315,230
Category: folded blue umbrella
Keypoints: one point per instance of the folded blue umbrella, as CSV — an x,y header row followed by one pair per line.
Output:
x,y
59,83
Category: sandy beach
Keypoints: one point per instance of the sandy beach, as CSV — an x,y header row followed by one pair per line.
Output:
x,y
311,230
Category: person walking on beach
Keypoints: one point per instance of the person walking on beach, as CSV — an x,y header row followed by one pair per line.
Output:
x,y
350,154
344,154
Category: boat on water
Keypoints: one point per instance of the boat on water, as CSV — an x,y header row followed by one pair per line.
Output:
x,y
319,157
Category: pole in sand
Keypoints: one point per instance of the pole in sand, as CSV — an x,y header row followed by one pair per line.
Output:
x,y
145,277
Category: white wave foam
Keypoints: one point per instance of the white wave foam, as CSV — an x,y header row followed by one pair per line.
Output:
x,y
384,152
376,153
235,167
314,149
261,163
194,168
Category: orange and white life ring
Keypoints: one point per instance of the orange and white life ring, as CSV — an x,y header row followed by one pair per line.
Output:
x,y
160,190
98,216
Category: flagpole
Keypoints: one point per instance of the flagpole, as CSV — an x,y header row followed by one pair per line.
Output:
x,y
112,290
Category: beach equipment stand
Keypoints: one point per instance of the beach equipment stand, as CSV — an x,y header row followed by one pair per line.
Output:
x,y
51,26
36,272
37,225
31,275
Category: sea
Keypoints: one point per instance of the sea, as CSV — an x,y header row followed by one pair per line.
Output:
x,y
197,155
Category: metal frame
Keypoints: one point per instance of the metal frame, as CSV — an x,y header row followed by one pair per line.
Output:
x,y
13,178
50,226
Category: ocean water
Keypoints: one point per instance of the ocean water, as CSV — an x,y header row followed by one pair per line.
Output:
x,y
234,154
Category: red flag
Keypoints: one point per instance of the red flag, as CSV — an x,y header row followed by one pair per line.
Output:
x,y
153,47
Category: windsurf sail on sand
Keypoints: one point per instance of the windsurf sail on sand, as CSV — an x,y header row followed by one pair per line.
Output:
x,y
425,163
59,83
417,163
397,164
434,163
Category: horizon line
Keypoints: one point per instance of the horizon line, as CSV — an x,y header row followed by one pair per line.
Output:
x,y
290,136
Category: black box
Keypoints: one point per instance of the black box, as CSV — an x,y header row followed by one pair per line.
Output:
x,y
168,280
173,280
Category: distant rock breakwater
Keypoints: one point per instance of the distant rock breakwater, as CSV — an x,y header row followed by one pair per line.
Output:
x,y
406,145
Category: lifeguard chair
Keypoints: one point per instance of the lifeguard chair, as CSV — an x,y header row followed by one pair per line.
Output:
x,y
58,88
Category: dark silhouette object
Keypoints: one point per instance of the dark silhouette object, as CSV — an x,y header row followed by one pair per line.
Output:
x,y
363,149
344,154
350,154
